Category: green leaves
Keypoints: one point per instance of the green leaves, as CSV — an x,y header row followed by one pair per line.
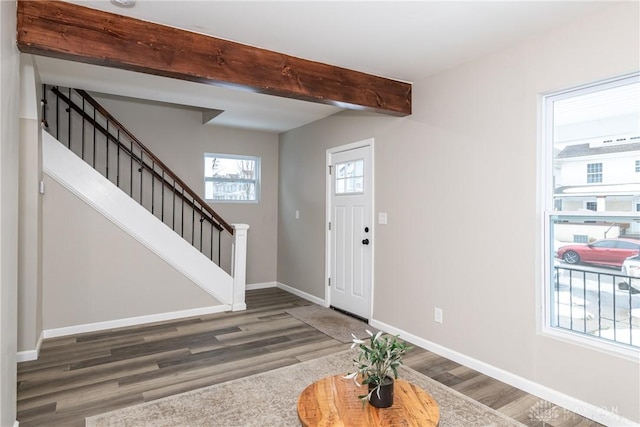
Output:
x,y
378,356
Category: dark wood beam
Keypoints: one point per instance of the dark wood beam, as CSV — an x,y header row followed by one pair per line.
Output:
x,y
77,33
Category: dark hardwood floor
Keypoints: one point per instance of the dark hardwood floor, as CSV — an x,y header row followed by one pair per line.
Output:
x,y
92,373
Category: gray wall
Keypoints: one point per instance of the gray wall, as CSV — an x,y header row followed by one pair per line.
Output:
x,y
82,284
458,181
30,210
9,159
178,137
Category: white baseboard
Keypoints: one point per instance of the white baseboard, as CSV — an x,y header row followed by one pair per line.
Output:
x,y
264,285
133,321
239,307
28,355
572,404
314,299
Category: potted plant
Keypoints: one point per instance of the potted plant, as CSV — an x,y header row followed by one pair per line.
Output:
x,y
377,366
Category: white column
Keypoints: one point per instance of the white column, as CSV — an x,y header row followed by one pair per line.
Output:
x,y
239,266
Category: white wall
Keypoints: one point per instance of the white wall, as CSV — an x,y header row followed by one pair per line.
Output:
x,y
452,176
9,159
178,137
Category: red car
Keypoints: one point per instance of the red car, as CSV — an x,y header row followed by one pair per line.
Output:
x,y
611,252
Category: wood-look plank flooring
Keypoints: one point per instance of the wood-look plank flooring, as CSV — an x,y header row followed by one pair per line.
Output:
x,y
87,374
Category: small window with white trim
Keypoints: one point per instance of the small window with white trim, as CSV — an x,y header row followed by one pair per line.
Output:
x,y
349,177
231,178
594,172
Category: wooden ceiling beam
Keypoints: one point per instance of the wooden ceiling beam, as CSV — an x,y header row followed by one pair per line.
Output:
x,y
68,31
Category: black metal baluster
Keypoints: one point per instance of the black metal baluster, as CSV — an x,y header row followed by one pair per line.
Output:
x,y
201,220
93,162
83,128
193,223
630,309
615,325
584,307
173,211
131,169
570,305
107,145
153,169
599,309
57,117
118,160
219,246
69,120
141,174
182,214
162,207
211,246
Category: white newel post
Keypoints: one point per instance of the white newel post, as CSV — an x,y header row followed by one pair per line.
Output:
x,y
239,266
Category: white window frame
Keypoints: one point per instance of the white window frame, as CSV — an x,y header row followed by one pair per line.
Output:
x,y
345,179
230,181
546,206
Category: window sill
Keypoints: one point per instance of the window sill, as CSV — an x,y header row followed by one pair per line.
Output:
x,y
610,348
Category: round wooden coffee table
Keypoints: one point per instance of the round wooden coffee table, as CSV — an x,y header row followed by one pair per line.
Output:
x,y
333,401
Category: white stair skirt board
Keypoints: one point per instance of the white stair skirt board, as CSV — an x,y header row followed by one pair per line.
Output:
x,y
97,191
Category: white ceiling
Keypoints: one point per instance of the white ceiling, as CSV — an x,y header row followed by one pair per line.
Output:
x,y
406,41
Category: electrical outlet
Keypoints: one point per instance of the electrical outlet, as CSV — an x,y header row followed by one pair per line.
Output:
x,y
437,315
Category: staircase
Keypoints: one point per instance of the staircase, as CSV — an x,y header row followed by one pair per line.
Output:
x,y
109,168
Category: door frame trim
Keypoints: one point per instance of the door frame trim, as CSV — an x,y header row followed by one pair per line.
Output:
x,y
369,142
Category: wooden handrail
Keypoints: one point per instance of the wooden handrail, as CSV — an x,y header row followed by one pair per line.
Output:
x,y
155,159
138,160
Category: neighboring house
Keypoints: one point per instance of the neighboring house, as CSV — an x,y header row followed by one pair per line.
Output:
x,y
457,180
601,175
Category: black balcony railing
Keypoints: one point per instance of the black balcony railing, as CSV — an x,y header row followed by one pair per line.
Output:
x,y
603,305
76,120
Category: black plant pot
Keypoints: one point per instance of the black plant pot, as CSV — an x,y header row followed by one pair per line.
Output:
x,y
383,396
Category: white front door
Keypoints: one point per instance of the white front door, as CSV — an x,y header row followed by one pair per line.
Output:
x,y
351,231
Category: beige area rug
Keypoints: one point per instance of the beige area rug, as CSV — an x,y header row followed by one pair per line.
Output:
x,y
270,399
330,322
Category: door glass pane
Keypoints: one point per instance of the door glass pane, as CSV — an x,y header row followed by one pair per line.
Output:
x,y
349,177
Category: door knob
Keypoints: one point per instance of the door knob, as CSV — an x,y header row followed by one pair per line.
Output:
x,y
365,242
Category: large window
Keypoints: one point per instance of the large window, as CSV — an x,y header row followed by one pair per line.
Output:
x,y
592,227
231,178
